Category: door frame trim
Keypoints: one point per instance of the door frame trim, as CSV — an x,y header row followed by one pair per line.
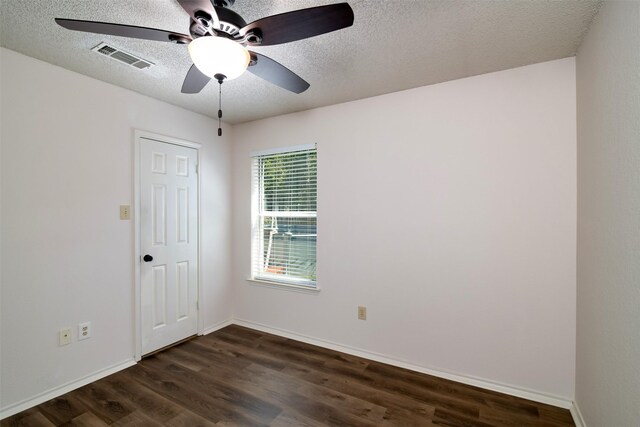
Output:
x,y
139,135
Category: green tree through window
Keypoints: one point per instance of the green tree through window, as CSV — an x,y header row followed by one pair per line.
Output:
x,y
286,218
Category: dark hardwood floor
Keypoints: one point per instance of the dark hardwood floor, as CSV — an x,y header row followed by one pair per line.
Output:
x,y
241,377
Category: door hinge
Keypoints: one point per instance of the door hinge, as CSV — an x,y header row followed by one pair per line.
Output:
x,y
196,168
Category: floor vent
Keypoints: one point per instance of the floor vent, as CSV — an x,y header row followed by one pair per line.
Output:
x,y
121,56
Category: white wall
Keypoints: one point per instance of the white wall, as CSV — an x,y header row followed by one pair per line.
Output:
x,y
67,164
608,322
449,211
467,264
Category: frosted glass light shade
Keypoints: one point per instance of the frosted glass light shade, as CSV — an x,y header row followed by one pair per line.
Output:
x,y
218,55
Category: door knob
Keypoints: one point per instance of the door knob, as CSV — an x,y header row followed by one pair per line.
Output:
x,y
147,258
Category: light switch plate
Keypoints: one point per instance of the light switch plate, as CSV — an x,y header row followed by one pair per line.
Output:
x,y
125,212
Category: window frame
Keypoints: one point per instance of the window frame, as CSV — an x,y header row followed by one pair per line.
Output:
x,y
257,235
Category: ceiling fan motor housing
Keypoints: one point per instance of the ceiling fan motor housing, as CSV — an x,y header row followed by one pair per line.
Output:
x,y
229,23
223,3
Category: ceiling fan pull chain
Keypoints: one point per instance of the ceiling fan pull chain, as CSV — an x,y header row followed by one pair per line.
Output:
x,y
220,107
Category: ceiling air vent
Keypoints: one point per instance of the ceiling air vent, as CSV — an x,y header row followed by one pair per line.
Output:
x,y
121,56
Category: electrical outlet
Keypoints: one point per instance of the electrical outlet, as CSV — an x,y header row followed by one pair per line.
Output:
x,y
362,312
125,212
64,336
84,331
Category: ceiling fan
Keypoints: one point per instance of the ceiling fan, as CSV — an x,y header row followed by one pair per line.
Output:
x,y
219,38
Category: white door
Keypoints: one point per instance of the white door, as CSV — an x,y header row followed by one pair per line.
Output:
x,y
168,243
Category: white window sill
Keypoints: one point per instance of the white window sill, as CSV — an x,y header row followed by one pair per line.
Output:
x,y
283,286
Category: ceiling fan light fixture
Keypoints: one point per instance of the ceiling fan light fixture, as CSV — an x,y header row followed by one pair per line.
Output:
x,y
218,55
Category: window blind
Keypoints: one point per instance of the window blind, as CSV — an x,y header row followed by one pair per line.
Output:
x,y
285,217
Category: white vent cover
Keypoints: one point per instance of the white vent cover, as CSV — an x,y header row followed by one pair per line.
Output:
x,y
122,56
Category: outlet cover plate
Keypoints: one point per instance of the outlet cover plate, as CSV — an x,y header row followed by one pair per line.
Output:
x,y
84,331
64,336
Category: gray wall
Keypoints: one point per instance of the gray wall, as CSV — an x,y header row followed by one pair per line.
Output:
x,y
449,211
67,165
608,269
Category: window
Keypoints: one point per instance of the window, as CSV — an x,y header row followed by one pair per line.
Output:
x,y
285,216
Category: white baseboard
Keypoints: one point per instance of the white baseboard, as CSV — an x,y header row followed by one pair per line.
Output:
x,y
461,378
64,388
217,326
465,379
72,385
578,420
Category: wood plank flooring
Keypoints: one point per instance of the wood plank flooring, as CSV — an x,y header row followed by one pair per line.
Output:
x,y
241,377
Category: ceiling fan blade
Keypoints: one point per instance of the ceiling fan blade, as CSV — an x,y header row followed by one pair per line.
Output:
x,y
193,6
194,81
300,24
276,73
123,30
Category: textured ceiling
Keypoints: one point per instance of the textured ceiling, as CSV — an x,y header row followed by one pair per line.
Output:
x,y
393,45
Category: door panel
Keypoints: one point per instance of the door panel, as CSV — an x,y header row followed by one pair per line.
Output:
x,y
169,234
182,197
159,300
159,214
